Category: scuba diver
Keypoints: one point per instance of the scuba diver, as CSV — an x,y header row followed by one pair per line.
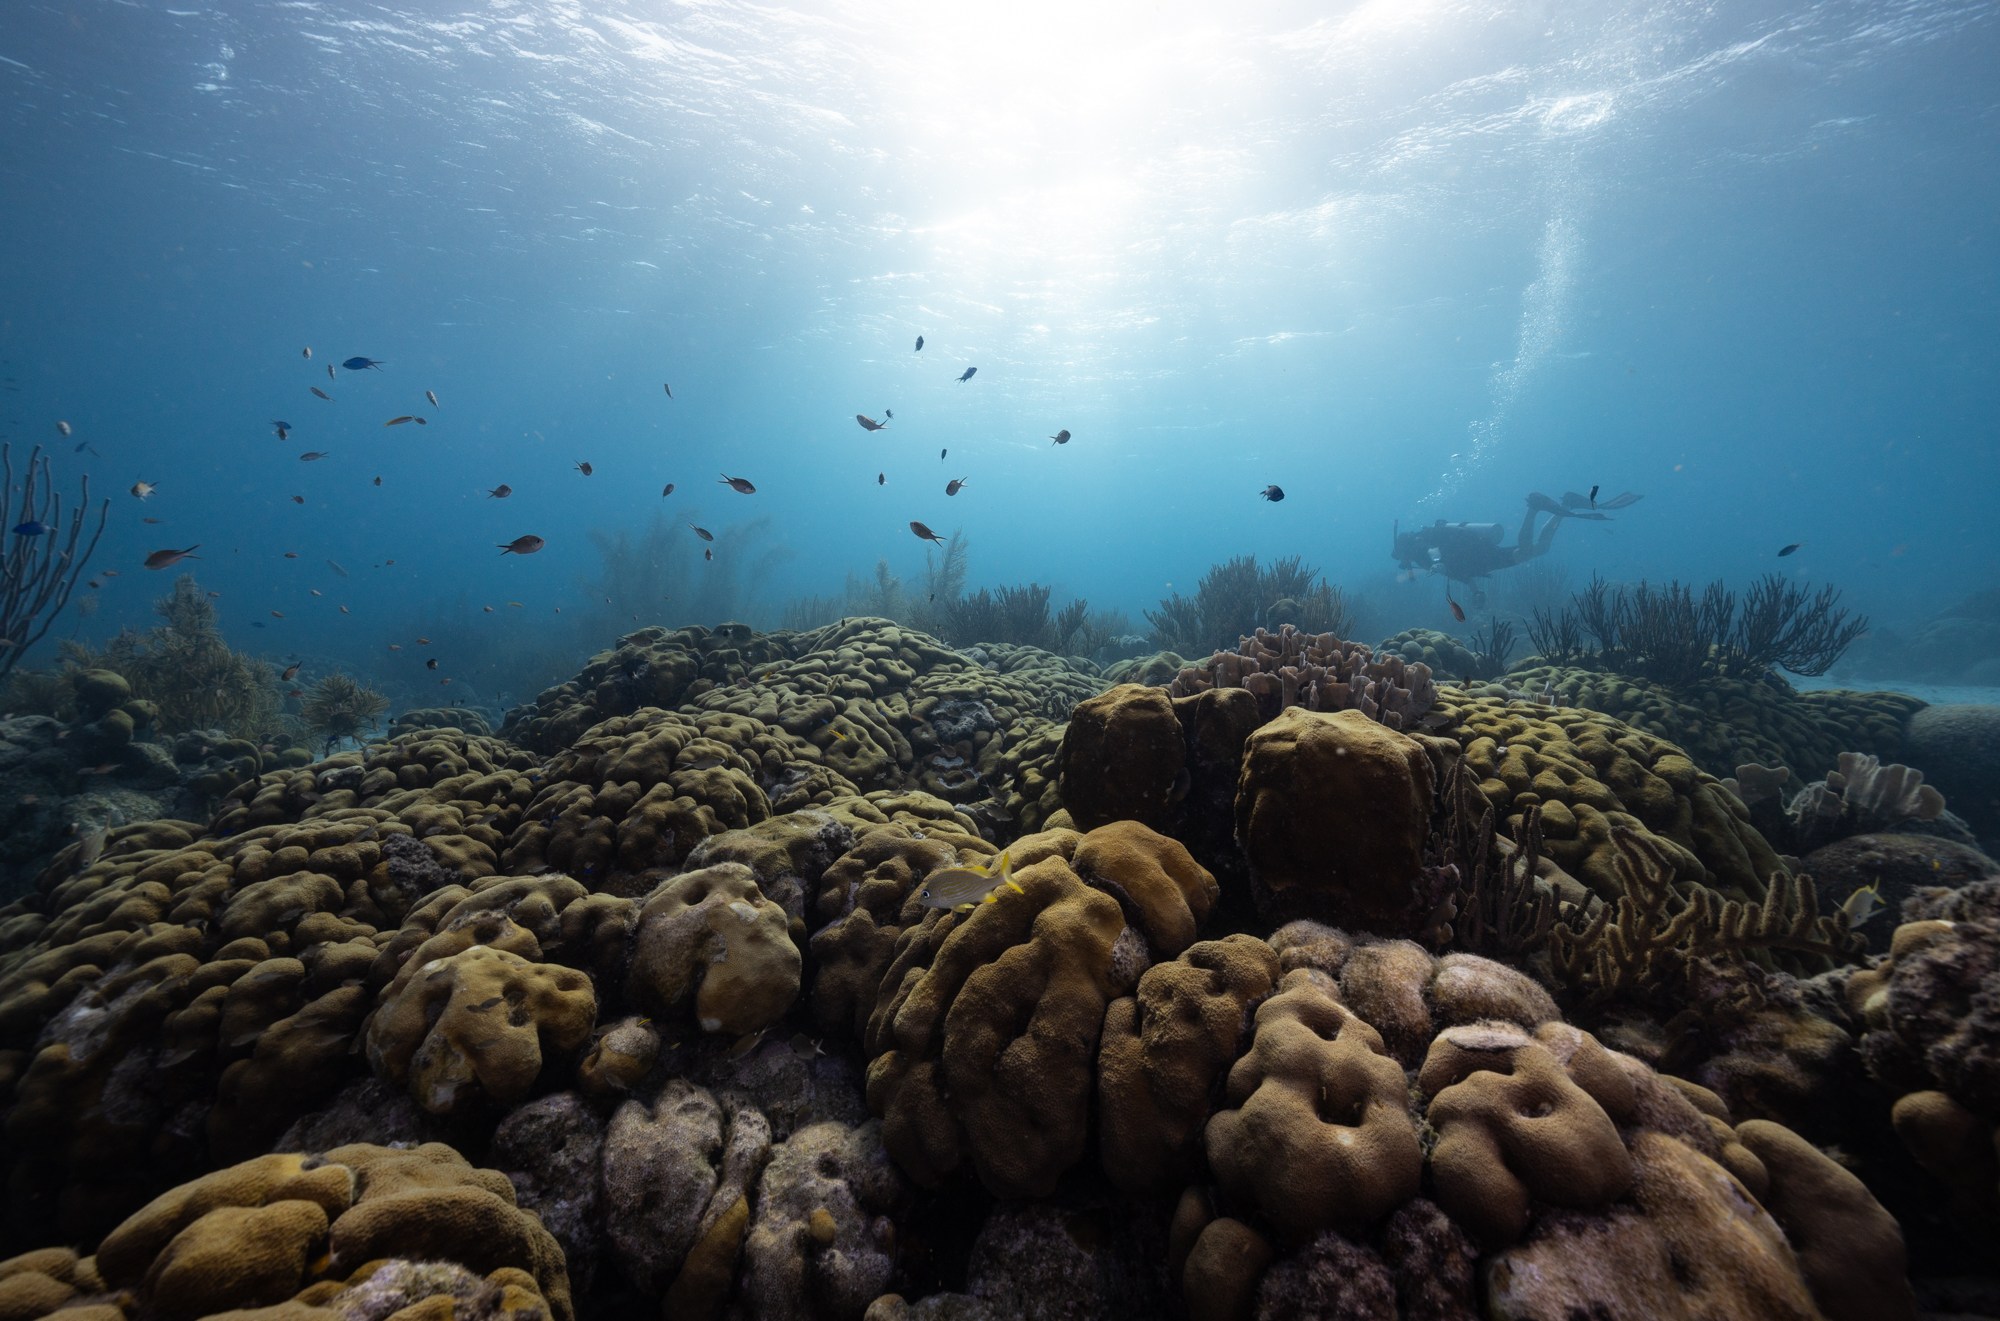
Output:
x,y
1463,552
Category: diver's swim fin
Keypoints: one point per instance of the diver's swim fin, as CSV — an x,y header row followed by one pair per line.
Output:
x,y
1541,504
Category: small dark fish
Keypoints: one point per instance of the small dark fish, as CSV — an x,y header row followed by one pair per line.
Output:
x,y
398,421
291,554
1457,610
329,371
160,559
668,388
941,454
421,421
432,396
500,492
868,423
31,528
291,671
740,485
954,486
312,456
969,373
881,479
1593,497
282,430
378,482
308,351
258,623
585,469
703,533
149,520
920,344
63,428
1781,554
1061,437
888,415
666,490
83,445
299,499
1273,493
527,545
708,552
321,393
361,364
925,532
431,664
335,566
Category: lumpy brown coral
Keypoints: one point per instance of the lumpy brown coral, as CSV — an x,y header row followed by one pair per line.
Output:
x,y
660,969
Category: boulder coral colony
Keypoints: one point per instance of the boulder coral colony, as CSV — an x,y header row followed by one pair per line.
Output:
x,y
1324,989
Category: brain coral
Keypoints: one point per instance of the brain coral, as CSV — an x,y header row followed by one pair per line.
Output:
x,y
1578,1181
477,1025
1589,773
651,667
984,1033
1728,721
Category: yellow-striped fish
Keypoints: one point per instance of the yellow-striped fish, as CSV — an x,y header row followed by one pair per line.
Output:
x,y
964,886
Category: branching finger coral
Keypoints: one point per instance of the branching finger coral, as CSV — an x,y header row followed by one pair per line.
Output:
x,y
1641,948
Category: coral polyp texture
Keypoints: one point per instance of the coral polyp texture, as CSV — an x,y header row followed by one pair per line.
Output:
x,y
848,975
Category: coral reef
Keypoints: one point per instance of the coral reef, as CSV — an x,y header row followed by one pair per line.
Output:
x,y
469,719
1319,672
358,1231
1860,796
1930,1033
1441,653
1723,722
667,964
1312,848
182,668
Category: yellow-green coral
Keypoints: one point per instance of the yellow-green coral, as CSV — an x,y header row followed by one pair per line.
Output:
x,y
1724,722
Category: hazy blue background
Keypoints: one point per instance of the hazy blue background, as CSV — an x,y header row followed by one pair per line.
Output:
x,y
1408,259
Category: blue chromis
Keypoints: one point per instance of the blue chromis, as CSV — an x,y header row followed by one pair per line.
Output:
x,y
31,528
963,886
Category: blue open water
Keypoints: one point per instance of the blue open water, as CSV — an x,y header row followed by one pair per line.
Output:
x,y
1409,260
